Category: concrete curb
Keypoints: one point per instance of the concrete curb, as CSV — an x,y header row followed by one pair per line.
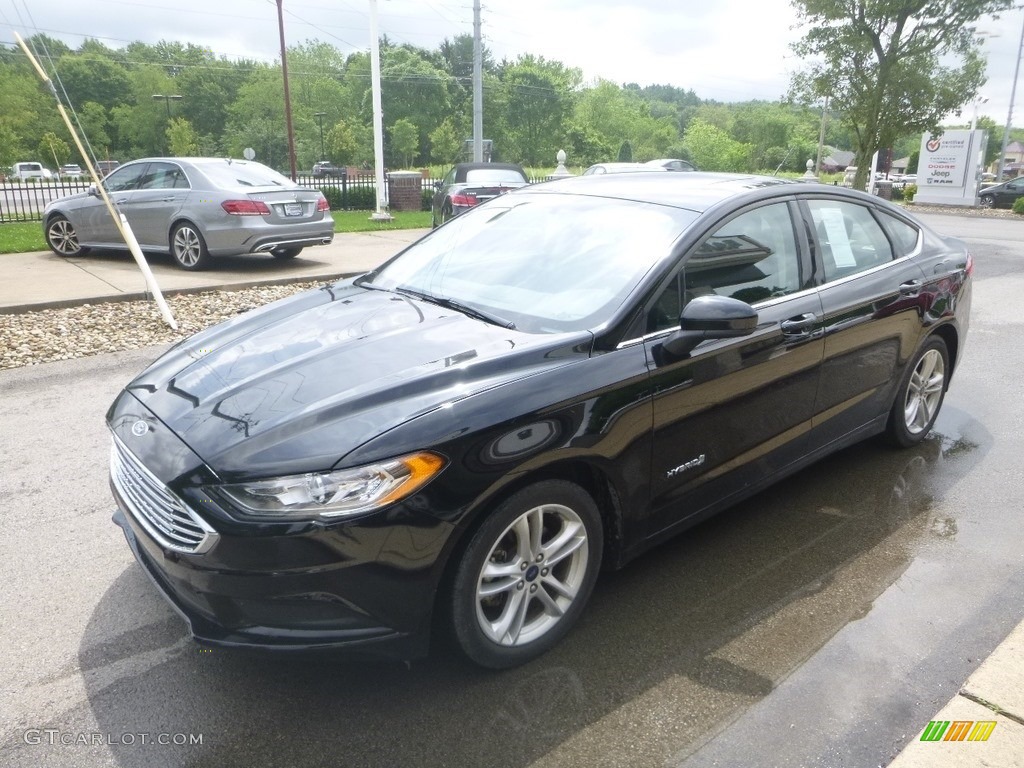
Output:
x,y
993,694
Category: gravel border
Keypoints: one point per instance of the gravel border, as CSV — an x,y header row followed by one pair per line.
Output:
x,y
48,335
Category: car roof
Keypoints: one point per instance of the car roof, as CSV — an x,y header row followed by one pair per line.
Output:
x,y
475,166
622,166
696,191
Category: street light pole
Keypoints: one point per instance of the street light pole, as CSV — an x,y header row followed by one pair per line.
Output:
x,y
167,97
1009,116
320,119
167,100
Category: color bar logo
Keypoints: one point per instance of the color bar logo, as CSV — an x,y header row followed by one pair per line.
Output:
x,y
958,730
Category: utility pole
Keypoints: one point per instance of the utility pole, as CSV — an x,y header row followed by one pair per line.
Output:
x,y
320,119
478,87
287,95
1009,117
381,213
821,138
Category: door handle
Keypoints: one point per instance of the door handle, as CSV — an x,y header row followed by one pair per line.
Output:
x,y
800,325
122,201
910,288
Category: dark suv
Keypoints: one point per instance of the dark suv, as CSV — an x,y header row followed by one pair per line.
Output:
x,y
327,168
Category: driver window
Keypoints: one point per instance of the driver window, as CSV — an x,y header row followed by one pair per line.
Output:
x,y
752,258
124,179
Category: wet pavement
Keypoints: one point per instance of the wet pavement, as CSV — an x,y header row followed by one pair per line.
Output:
x,y
821,623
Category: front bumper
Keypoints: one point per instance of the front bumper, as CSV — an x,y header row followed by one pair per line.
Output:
x,y
287,610
366,584
258,616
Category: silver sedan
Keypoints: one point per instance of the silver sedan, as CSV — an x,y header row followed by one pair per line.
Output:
x,y
196,208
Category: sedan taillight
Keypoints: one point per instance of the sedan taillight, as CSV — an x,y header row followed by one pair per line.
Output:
x,y
463,200
245,207
969,269
322,204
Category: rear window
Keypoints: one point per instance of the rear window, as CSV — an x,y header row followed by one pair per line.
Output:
x,y
494,176
238,174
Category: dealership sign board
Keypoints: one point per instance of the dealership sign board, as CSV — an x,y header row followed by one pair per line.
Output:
x,y
949,167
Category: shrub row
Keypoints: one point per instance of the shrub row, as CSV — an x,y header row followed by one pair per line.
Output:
x,y
363,198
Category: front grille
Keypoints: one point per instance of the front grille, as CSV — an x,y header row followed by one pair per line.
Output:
x,y
169,521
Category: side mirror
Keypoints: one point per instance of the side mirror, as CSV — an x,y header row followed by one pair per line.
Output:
x,y
93,191
710,317
437,185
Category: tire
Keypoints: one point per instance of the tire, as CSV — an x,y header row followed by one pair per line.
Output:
x,y
507,605
920,395
62,237
189,248
987,201
286,253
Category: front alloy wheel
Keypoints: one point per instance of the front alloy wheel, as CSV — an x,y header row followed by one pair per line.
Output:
x,y
527,574
987,201
62,238
920,395
188,247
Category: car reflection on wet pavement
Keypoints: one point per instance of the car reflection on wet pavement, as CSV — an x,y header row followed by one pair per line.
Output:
x,y
674,647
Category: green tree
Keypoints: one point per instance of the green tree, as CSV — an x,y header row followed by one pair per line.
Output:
x,y
625,152
712,149
94,79
342,143
405,141
51,146
538,99
93,122
445,143
182,138
896,67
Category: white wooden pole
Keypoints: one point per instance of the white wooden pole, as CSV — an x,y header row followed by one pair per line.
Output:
x,y
119,220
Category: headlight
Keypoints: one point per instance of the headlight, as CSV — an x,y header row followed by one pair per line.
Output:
x,y
335,494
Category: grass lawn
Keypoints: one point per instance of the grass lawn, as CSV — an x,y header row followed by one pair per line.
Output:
x,y
22,236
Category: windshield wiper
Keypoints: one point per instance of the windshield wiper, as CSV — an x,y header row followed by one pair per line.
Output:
x,y
458,306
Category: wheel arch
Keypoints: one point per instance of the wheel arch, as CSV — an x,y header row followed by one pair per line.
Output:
x,y
585,474
952,340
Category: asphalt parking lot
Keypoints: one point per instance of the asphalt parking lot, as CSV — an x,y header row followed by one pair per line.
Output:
x,y
820,623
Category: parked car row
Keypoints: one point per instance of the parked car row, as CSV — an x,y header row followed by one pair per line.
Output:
x,y
27,171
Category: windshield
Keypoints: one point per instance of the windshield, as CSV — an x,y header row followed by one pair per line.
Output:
x,y
494,176
545,262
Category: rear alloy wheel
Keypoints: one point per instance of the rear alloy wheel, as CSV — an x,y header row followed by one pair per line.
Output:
x,y
62,238
189,248
526,574
920,395
987,201
286,253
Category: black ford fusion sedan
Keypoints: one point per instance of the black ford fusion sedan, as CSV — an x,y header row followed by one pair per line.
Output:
x,y
457,442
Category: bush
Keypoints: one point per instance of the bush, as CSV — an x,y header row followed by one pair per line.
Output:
x,y
333,195
362,198
1018,205
897,193
909,191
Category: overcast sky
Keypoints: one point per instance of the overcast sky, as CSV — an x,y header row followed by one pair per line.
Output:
x,y
729,50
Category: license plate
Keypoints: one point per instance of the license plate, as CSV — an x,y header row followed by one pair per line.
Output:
x,y
293,209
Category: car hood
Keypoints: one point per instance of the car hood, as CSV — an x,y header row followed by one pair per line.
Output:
x,y
295,386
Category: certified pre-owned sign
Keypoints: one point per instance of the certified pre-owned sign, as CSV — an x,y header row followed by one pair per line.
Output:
x,y
949,167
